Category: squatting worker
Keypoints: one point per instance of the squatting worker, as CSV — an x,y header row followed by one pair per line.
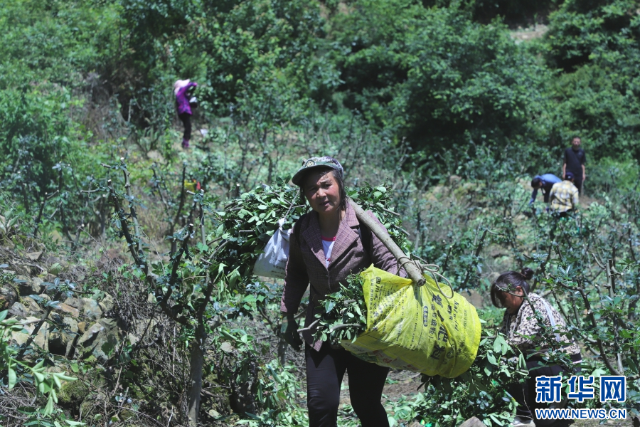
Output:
x,y
564,196
325,249
543,182
574,160
182,90
524,331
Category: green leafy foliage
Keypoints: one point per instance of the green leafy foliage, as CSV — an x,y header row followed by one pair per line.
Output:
x,y
343,314
480,392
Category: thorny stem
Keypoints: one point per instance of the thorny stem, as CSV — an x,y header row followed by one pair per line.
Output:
x,y
132,209
173,278
124,225
39,217
180,206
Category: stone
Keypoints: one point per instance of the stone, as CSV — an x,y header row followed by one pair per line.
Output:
x,y
73,302
100,340
37,284
31,304
82,327
42,337
91,309
8,296
18,310
26,286
107,303
87,306
34,256
67,309
61,340
87,339
473,422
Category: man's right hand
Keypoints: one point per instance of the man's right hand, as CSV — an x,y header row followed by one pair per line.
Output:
x,y
289,332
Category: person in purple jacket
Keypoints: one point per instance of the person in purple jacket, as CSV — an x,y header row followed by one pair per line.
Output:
x,y
181,88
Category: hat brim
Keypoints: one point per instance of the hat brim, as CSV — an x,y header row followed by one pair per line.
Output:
x,y
299,176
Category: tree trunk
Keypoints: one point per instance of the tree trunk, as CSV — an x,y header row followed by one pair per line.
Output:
x,y
195,376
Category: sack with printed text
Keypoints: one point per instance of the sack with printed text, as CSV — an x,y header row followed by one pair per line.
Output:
x,y
428,329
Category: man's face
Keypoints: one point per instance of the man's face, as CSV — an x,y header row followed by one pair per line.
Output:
x,y
576,143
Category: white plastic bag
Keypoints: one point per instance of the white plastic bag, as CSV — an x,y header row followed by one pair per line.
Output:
x,y
272,262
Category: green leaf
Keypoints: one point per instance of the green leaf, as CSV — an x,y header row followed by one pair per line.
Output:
x,y
491,358
12,378
49,408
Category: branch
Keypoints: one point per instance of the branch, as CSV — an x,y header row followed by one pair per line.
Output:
x,y
125,227
412,270
173,277
603,355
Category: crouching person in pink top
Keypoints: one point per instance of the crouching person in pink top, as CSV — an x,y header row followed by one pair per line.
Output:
x,y
327,245
182,89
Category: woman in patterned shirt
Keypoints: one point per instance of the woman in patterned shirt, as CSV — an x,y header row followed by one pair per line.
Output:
x,y
525,323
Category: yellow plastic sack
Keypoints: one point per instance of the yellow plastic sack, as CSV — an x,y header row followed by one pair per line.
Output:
x,y
416,328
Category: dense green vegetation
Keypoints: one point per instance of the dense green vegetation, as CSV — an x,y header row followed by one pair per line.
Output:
x,y
440,112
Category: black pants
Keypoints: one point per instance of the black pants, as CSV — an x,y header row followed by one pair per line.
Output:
x,y
186,121
525,394
325,369
578,182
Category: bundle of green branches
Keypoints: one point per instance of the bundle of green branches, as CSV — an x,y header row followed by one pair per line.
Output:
x,y
247,223
343,314
480,392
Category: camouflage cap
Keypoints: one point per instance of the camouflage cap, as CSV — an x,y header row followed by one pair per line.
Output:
x,y
316,163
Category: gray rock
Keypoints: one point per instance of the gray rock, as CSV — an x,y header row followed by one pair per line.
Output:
x,y
28,286
8,296
62,339
473,422
107,303
33,308
87,306
100,340
41,339
67,309
18,310
91,308
34,256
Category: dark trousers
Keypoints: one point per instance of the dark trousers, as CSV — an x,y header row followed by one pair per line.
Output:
x,y
325,369
186,121
578,182
525,393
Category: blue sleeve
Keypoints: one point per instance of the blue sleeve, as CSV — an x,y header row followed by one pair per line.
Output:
x,y
534,195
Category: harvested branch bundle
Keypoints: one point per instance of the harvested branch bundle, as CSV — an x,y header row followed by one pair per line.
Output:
x,y
247,223
344,313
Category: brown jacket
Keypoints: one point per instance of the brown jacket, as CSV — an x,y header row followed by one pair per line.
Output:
x,y
306,264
